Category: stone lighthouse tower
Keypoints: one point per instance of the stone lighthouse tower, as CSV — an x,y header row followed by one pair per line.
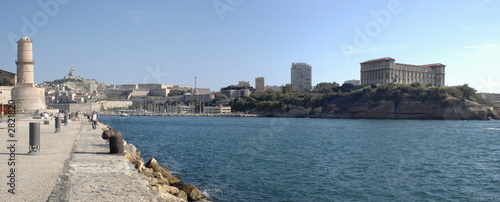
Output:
x,y
28,98
25,63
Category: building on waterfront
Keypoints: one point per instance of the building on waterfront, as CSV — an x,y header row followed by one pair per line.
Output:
x,y
217,110
260,85
494,98
385,71
238,91
301,76
183,109
28,98
139,90
353,82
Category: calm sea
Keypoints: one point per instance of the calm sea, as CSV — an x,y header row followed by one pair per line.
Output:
x,y
283,159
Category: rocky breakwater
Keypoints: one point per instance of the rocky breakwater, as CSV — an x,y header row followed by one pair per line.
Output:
x,y
161,179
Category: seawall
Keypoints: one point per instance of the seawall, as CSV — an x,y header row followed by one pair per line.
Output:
x,y
92,174
159,179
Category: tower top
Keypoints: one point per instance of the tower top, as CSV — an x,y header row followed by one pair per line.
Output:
x,y
25,39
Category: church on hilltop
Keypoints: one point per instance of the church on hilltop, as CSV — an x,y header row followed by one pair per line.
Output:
x,y
71,75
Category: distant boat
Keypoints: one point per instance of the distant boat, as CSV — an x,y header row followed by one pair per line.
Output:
x,y
124,114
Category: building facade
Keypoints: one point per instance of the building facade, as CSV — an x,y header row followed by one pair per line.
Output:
x,y
243,89
301,76
494,98
217,110
385,71
260,85
353,82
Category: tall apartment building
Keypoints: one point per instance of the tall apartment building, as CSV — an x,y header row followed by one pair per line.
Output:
x,y
385,71
301,76
260,84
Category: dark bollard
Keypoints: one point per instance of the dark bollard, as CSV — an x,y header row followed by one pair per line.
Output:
x,y
115,141
65,119
34,147
58,124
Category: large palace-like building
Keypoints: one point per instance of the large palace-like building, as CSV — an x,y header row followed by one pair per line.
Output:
x,y
384,70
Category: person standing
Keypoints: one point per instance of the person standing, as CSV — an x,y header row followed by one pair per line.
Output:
x,y
94,119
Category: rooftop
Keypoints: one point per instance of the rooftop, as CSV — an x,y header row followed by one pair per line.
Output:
x,y
389,58
380,59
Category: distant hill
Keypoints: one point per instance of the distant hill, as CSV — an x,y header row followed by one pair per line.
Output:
x,y
78,85
385,101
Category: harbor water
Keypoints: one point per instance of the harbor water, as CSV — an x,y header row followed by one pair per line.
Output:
x,y
292,159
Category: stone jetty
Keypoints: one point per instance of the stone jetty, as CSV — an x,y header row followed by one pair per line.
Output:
x,y
76,166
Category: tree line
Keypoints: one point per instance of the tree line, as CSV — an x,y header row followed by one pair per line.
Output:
x,y
347,95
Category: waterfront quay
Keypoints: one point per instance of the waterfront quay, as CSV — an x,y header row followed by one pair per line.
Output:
x,y
75,165
118,113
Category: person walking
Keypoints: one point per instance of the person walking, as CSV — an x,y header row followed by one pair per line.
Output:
x,y
94,119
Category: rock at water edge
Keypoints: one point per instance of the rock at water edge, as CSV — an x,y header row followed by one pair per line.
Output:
x,y
182,195
194,194
152,163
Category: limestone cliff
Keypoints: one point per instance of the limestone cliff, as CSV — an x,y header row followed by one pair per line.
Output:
x,y
451,109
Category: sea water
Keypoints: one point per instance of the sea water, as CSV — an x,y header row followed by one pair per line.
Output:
x,y
296,159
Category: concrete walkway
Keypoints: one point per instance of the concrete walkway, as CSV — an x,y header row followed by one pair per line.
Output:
x,y
35,176
75,166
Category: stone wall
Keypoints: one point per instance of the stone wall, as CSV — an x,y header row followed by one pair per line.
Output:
x,y
29,99
115,92
114,104
159,92
76,107
5,94
140,93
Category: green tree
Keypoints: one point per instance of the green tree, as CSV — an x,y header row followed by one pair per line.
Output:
x,y
347,87
175,92
323,87
289,88
193,102
6,81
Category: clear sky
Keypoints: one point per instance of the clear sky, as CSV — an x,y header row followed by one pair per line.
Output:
x,y
225,41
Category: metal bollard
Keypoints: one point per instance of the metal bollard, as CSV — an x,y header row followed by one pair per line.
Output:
x,y
58,124
65,119
115,141
34,147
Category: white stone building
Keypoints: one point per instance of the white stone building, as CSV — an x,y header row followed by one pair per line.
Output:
x,y
385,71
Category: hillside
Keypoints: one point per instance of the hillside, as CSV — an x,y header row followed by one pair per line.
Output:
x,y
81,85
393,101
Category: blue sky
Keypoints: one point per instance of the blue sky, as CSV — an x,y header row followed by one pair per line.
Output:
x,y
225,41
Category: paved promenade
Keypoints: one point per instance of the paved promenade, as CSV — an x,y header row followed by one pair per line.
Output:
x,y
75,166
35,176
